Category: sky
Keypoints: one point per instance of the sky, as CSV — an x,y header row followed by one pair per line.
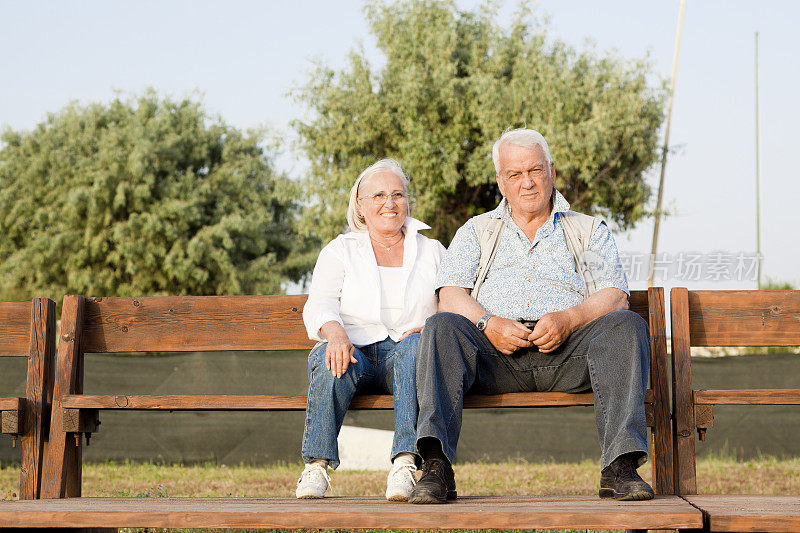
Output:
x,y
244,57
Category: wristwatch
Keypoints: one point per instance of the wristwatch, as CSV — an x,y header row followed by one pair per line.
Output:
x,y
482,321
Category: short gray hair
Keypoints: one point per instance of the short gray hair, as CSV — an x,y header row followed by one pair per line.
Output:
x,y
519,137
355,219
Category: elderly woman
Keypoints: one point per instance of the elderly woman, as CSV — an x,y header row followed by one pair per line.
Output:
x,y
371,291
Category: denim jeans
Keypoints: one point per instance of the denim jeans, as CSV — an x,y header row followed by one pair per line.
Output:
x,y
384,367
610,355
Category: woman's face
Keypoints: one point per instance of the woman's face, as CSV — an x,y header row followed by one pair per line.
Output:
x,y
385,213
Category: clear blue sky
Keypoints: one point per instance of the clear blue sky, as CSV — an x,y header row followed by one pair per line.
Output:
x,y
245,55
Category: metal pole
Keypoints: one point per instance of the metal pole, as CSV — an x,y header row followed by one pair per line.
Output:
x,y
665,149
758,180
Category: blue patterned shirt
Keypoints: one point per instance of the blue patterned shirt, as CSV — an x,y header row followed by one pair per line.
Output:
x,y
529,279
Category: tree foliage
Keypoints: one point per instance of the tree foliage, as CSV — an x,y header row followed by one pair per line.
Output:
x,y
138,197
453,81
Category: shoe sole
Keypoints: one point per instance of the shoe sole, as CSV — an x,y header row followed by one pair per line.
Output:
x,y
430,498
624,497
397,497
309,497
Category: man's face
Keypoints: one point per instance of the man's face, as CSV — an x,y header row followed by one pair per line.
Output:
x,y
526,179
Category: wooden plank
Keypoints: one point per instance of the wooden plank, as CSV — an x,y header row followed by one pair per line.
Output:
x,y
62,465
683,418
639,302
11,422
39,395
578,512
211,323
663,475
748,397
194,323
11,404
744,318
298,402
15,325
749,512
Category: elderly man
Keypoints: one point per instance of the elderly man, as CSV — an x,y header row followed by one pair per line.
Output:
x,y
534,325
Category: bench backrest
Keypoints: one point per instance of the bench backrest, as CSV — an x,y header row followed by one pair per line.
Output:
x,y
723,318
206,323
28,329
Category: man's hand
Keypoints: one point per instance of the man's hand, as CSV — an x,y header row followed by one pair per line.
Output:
x,y
507,335
551,330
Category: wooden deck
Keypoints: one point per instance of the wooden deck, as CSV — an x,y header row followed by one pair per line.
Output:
x,y
749,513
580,512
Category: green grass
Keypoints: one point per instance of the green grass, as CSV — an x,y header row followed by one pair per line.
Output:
x,y
720,474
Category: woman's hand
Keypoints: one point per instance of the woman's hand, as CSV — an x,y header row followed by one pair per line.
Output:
x,y
339,352
411,332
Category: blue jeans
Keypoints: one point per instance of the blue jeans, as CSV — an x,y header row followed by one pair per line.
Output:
x,y
383,367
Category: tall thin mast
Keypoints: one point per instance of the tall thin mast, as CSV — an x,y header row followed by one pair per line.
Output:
x,y
666,147
758,180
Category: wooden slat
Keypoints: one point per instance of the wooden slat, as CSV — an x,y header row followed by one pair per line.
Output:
x,y
293,403
11,404
663,474
194,323
576,512
15,325
744,318
683,417
750,512
639,303
748,397
39,395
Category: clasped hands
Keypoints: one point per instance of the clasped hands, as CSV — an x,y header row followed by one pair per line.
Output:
x,y
550,332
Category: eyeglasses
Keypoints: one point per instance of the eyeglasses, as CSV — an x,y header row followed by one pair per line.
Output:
x,y
380,198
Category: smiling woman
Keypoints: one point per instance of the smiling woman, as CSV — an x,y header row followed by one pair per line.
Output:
x,y
371,292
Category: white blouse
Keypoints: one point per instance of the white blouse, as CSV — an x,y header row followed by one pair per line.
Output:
x,y
392,295
346,286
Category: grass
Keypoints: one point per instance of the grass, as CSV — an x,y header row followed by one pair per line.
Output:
x,y
715,474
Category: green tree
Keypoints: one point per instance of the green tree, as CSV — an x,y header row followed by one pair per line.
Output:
x,y
453,81
141,197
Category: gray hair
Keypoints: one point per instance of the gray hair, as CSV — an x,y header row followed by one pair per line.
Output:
x,y
519,137
355,219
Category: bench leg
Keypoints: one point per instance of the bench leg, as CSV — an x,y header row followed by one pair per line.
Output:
x,y
39,396
62,471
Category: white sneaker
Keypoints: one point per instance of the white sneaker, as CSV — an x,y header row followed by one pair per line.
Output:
x,y
313,482
400,482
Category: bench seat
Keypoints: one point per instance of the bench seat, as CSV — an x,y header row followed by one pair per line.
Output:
x,y
528,512
749,512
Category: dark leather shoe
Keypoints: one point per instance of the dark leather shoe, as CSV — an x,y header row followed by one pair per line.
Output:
x,y
437,484
620,481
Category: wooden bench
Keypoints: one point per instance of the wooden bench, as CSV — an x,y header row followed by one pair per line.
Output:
x,y
112,325
729,318
28,329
